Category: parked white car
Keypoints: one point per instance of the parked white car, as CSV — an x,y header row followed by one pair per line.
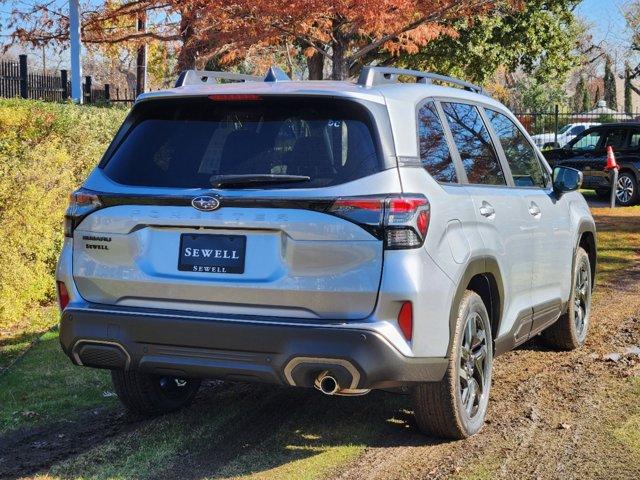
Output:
x,y
565,134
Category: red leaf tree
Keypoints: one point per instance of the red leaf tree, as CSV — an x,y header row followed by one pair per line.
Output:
x,y
348,33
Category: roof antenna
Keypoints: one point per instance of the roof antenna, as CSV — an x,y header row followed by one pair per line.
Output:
x,y
276,74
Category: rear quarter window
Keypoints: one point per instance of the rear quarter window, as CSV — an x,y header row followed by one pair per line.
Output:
x,y
183,143
434,150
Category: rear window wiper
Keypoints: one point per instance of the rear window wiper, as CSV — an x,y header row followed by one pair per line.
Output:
x,y
220,181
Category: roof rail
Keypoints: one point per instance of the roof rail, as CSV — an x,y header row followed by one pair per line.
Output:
x,y
371,76
199,77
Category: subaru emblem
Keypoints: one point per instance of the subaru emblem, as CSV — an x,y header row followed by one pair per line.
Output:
x,y
205,203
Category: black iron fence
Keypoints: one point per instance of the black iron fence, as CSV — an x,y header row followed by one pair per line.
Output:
x,y
557,124
17,80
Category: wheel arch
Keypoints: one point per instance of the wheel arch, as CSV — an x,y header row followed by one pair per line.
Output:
x,y
588,241
482,276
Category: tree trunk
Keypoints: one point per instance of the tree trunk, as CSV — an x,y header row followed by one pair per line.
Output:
x,y
187,55
340,68
315,64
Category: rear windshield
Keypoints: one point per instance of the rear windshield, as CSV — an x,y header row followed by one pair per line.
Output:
x,y
183,143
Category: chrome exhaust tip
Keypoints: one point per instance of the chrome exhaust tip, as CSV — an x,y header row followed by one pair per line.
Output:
x,y
326,383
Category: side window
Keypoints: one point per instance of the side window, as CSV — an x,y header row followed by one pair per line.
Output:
x,y
474,144
522,158
434,151
576,130
616,138
587,140
634,142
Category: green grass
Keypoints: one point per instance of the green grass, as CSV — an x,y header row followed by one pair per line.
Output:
x,y
628,432
43,386
14,342
618,240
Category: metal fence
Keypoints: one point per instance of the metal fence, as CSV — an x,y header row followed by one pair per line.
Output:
x,y
16,80
556,121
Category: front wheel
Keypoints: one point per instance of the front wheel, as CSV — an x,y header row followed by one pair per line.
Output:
x,y
147,395
456,406
570,330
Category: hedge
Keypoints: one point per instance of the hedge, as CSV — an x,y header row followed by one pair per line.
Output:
x,y
46,149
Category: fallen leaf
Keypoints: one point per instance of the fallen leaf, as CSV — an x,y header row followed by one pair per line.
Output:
x,y
612,357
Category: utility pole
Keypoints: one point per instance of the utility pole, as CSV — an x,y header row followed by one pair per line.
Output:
x,y
74,37
141,58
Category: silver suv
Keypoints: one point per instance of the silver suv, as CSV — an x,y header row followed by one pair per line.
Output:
x,y
342,236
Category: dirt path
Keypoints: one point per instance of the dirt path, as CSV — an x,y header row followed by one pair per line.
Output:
x,y
29,450
549,411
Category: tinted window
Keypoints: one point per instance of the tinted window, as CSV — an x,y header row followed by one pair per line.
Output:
x,y
474,144
616,138
434,151
634,142
523,161
587,140
183,143
577,130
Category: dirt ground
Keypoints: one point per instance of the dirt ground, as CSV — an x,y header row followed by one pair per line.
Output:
x,y
551,415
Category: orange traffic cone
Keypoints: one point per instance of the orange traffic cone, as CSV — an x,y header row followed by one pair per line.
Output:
x,y
611,160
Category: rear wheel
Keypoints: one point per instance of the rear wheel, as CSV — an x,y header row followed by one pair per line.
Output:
x,y
570,331
627,189
456,406
145,394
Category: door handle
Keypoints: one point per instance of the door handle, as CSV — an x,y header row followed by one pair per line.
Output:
x,y
487,210
534,209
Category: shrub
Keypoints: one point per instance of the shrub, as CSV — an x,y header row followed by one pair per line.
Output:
x,y
46,150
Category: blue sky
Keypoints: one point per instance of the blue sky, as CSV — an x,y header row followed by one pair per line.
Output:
x,y
606,18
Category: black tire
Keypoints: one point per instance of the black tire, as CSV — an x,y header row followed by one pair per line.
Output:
x,y
439,406
570,331
150,395
627,189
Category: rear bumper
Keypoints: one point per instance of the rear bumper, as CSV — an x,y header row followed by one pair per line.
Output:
x,y
168,343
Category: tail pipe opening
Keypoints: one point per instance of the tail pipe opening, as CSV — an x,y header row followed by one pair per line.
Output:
x,y
326,383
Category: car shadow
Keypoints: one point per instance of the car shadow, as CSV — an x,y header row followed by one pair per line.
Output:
x,y
270,426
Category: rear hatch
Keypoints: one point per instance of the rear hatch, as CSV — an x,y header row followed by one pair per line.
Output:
x,y
231,204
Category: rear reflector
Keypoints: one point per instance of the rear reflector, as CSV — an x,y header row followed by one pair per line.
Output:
x,y
63,295
405,320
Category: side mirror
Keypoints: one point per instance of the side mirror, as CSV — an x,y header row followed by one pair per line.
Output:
x,y
565,180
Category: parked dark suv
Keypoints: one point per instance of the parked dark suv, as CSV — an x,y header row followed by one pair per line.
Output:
x,y
587,152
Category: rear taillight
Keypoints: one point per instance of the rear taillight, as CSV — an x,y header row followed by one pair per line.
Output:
x,y
81,203
402,221
405,320
63,295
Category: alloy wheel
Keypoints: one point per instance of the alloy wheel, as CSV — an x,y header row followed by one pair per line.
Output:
x,y
473,367
625,189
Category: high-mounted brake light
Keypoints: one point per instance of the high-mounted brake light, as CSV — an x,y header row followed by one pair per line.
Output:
x,y
402,221
235,97
81,203
405,320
